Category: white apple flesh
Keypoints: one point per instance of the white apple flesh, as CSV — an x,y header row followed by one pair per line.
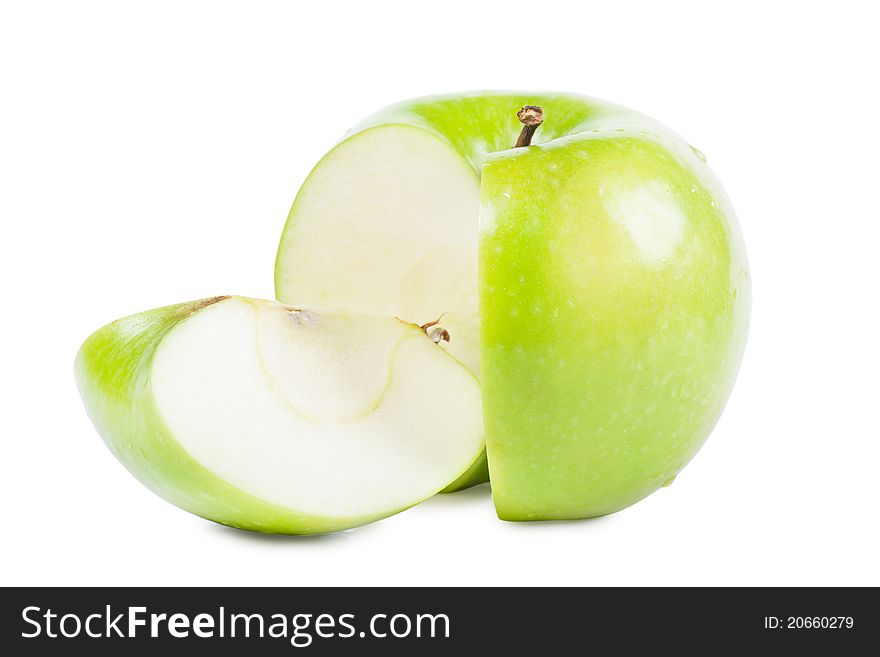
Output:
x,y
399,237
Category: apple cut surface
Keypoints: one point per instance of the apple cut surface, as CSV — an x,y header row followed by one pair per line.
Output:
x,y
274,419
387,224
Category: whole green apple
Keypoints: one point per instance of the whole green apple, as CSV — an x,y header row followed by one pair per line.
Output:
x,y
590,270
279,419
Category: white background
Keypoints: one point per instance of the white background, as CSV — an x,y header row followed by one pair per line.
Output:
x,y
149,153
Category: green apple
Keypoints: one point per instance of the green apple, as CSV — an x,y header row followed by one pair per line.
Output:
x,y
275,419
596,281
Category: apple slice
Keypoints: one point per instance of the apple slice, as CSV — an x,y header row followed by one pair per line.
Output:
x,y
275,419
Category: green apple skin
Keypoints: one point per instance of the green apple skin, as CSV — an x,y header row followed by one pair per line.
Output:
x,y
614,297
614,306
113,374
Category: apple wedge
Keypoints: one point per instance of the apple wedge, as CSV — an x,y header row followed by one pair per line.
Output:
x,y
277,419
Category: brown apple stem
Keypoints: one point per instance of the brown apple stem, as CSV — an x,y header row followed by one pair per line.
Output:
x,y
531,116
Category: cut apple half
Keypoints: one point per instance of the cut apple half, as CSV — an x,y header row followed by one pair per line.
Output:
x,y
279,419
